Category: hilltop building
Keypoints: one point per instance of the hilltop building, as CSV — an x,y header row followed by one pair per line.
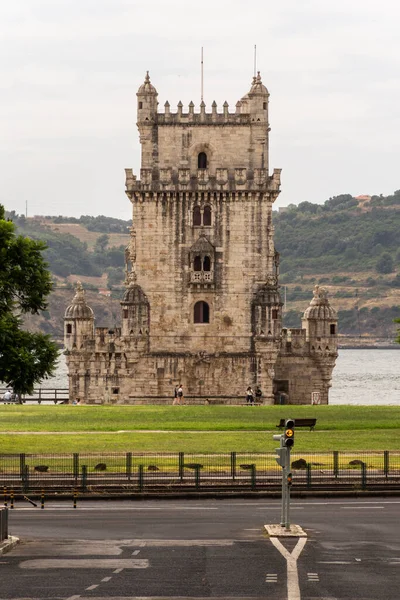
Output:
x,y
202,305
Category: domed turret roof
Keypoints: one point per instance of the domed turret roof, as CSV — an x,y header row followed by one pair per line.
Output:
x,y
147,87
257,86
319,306
78,309
134,295
268,294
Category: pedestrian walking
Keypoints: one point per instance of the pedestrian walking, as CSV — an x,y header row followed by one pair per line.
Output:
x,y
180,395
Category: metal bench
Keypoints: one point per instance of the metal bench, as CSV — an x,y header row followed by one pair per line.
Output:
x,y
300,423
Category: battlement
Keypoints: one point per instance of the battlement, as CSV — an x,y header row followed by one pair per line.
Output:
x,y
241,116
203,180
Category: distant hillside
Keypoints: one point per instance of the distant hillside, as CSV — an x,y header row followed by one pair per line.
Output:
x,y
348,245
351,247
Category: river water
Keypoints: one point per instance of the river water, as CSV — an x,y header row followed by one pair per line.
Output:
x,y
360,377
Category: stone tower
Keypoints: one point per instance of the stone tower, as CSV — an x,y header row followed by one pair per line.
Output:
x,y
202,304
202,242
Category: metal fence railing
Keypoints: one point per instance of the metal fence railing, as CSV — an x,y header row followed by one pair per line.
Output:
x,y
138,472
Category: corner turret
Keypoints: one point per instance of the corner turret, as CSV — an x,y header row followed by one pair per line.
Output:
x,y
78,321
255,102
320,321
147,101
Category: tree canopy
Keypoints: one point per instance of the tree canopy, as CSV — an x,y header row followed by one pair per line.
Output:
x,y
25,282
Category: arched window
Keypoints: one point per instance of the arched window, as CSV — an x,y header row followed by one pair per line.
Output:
x,y
197,263
69,328
207,216
196,216
206,264
202,161
201,312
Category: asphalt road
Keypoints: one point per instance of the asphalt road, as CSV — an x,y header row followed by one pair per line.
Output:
x,y
203,549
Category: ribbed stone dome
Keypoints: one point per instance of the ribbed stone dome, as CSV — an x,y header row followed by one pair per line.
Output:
x,y
134,295
268,295
147,87
258,87
78,309
319,307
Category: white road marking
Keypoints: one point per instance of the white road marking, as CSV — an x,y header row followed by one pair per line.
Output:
x,y
293,588
105,579
85,563
117,570
135,552
358,507
91,587
334,562
271,578
313,577
73,598
185,543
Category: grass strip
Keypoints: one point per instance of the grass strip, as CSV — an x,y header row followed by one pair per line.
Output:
x,y
306,441
199,418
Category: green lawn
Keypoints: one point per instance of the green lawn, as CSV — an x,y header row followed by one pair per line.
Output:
x,y
193,428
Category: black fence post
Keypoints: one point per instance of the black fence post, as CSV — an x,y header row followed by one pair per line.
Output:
x,y
336,463
129,465
363,475
21,465
84,478
386,463
233,465
141,478
309,483
25,479
253,476
197,475
76,466
181,464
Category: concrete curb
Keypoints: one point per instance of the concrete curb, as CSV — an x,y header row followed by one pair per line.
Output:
x,y
8,544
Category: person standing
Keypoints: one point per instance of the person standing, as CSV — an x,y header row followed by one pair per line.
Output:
x,y
249,395
180,394
258,394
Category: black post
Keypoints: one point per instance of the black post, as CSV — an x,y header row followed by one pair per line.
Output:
x,y
25,479
181,464
233,465
253,476
84,478
129,465
308,475
21,465
363,475
197,475
386,463
141,478
76,466
336,463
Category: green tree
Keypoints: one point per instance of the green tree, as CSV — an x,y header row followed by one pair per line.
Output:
x,y
101,243
25,358
385,264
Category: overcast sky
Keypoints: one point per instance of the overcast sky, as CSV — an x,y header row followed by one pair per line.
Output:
x,y
70,70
